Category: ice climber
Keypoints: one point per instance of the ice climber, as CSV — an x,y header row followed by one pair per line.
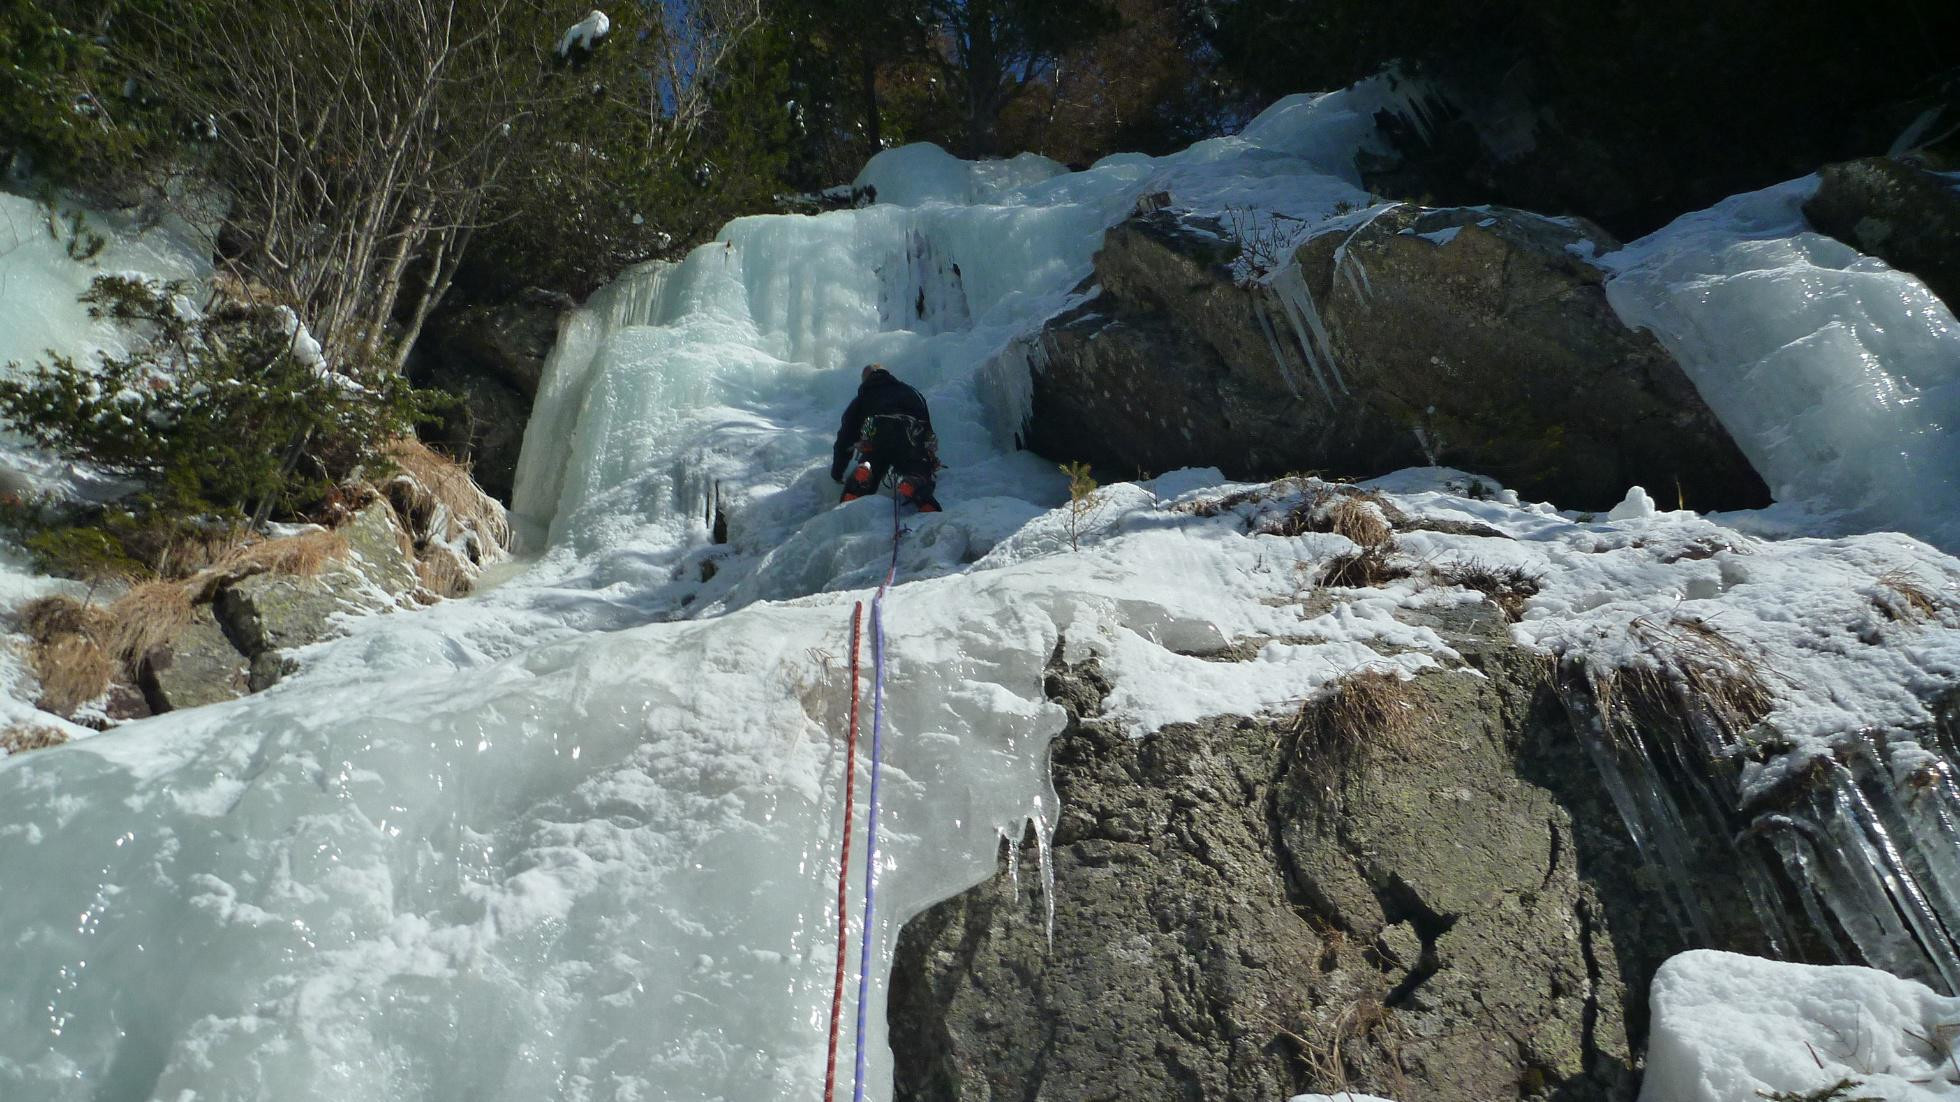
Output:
x,y
888,428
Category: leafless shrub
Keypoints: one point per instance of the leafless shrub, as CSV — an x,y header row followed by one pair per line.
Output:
x,y
22,737
1507,586
1265,240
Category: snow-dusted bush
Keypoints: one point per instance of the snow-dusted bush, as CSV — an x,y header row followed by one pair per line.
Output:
x,y
213,417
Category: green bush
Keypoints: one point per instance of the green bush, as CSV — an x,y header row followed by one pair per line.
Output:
x,y
217,417
62,99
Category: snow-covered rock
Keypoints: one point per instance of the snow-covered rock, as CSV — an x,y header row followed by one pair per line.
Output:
x,y
1730,1027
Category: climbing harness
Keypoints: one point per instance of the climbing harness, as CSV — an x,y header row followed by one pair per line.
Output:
x,y
870,826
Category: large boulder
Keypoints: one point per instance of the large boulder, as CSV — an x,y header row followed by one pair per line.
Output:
x,y
1456,916
1898,209
1471,337
268,615
492,357
199,665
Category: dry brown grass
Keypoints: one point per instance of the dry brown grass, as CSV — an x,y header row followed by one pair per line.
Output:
x,y
1360,1048
145,618
1365,568
76,650
442,573
72,670
448,485
1367,713
22,737
1508,587
44,618
1695,678
305,554
192,552
453,527
1902,597
1359,518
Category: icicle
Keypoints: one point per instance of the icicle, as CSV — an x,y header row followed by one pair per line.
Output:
x,y
1043,837
1360,286
1783,837
1882,855
1272,342
1929,815
1422,441
1013,864
1296,302
1648,817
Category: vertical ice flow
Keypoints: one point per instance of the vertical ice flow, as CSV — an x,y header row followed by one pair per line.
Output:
x,y
1838,377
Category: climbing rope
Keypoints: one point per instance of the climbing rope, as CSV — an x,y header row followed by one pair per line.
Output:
x,y
870,826
844,865
871,814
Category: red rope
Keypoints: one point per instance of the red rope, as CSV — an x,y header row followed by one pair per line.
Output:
x,y
844,866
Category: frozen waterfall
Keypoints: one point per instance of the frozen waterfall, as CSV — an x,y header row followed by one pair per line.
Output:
x,y
575,838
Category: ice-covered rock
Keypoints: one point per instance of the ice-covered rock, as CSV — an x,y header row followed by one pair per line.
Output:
x,y
1838,376
1390,337
574,838
1900,209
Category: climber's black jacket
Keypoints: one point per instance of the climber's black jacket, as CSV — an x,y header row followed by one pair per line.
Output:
x,y
880,393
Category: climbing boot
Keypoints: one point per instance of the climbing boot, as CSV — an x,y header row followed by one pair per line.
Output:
x,y
859,483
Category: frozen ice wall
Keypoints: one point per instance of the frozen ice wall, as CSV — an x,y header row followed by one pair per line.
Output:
x,y
575,838
1838,376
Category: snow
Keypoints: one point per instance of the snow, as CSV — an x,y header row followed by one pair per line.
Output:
x,y
1729,1027
1636,504
587,820
584,34
1838,376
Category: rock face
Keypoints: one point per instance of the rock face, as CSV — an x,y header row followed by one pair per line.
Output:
x,y
198,666
1458,917
1473,337
493,357
1899,210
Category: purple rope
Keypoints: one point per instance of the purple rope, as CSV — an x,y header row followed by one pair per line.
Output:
x,y
871,814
